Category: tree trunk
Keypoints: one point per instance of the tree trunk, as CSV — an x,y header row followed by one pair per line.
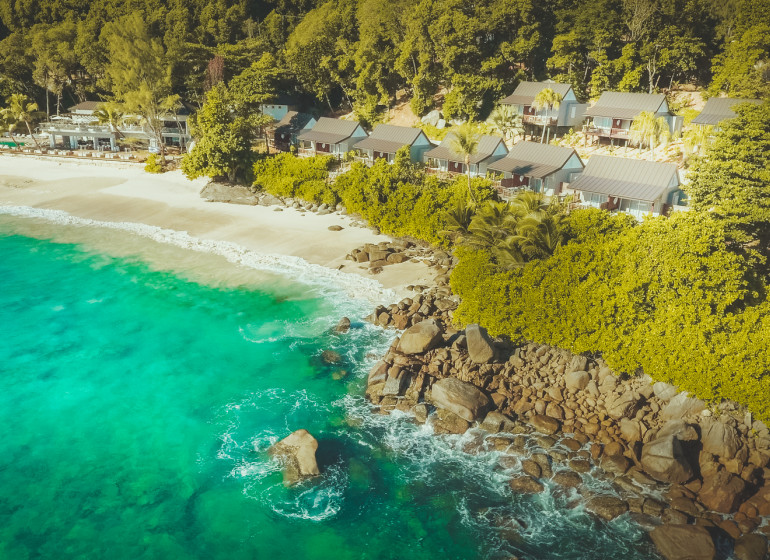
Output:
x,y
58,103
29,128
542,137
468,171
13,139
47,104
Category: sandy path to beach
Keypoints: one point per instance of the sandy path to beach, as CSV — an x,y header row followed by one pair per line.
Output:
x,y
125,193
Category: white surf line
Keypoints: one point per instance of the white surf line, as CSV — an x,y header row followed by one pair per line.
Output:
x,y
296,268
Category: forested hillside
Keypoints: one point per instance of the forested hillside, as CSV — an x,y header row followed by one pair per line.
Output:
x,y
357,54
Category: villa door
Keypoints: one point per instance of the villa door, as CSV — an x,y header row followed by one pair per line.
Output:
x,y
521,181
325,148
456,167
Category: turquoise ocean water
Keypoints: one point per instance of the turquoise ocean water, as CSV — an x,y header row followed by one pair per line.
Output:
x,y
141,385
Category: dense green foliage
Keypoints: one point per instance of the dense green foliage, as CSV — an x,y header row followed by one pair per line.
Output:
x,y
225,133
359,53
397,198
731,179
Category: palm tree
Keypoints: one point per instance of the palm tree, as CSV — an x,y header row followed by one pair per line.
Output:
x,y
648,128
21,109
695,139
547,99
8,124
507,121
459,219
539,234
465,142
110,113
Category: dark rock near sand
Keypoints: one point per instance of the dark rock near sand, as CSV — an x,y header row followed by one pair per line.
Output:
x,y
297,453
461,398
683,542
420,338
233,194
335,228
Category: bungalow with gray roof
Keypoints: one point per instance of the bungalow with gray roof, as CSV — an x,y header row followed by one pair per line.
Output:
x,y
284,134
537,167
570,112
719,109
443,158
638,187
279,106
611,116
387,139
330,137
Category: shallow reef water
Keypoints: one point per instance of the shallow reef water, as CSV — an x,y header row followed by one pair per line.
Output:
x,y
139,394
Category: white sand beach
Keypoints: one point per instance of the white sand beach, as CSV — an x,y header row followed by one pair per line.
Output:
x,y
120,192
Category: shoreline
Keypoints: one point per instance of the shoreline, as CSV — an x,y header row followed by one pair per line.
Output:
x,y
107,194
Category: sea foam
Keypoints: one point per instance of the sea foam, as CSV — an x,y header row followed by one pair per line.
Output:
x,y
298,269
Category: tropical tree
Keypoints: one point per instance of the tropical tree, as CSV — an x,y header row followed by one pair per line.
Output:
x,y
21,109
695,140
649,129
8,124
139,74
546,99
507,121
110,113
465,142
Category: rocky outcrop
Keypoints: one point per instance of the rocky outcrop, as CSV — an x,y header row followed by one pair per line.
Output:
x,y
420,338
234,194
297,453
683,542
582,417
664,460
343,326
751,547
461,398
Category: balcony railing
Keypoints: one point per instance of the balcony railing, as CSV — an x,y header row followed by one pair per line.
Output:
x,y
620,133
539,120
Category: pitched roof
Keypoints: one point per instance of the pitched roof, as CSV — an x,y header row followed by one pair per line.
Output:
x,y
486,149
86,106
293,122
621,105
388,138
718,109
531,159
330,131
626,178
526,92
282,99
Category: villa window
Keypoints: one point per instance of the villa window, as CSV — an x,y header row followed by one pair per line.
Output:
x,y
602,122
636,208
594,200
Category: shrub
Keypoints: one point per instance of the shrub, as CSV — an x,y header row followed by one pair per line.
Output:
x,y
288,176
152,164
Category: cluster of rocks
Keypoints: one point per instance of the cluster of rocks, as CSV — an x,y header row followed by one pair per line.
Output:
x,y
435,303
709,467
236,194
379,255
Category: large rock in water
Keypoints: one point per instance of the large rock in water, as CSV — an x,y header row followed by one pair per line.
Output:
x,y
683,542
480,347
607,507
461,398
719,439
297,453
751,547
420,338
664,460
